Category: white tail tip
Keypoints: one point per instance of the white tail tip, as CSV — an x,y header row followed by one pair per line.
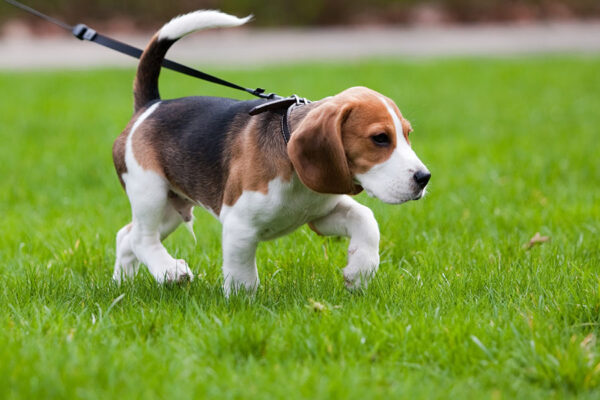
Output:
x,y
185,24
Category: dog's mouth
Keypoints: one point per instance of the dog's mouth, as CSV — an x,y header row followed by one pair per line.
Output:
x,y
389,199
420,194
391,190
398,199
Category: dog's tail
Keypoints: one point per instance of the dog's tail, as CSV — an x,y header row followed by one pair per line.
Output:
x,y
145,87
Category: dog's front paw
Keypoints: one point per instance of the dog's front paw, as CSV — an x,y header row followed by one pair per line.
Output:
x,y
353,284
357,281
180,272
362,265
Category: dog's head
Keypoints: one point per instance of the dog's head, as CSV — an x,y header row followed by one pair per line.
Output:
x,y
358,139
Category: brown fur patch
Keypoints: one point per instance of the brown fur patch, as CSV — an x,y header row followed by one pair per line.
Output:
x,y
368,117
257,156
144,150
118,150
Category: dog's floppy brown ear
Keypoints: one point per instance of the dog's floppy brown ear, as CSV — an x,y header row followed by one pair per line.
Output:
x,y
317,152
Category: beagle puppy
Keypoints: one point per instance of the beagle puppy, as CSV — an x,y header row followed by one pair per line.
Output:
x,y
210,152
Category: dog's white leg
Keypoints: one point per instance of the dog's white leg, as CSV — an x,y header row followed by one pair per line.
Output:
x,y
353,220
126,264
239,256
153,219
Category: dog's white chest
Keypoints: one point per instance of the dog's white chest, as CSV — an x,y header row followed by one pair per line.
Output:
x,y
286,206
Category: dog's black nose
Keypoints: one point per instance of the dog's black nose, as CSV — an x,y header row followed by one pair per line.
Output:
x,y
422,178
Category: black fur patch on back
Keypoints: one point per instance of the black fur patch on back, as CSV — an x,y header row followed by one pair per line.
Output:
x,y
190,135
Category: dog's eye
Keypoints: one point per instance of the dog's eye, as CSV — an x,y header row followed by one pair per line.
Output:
x,y
381,139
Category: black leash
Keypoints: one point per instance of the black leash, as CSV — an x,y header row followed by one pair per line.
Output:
x,y
278,104
83,32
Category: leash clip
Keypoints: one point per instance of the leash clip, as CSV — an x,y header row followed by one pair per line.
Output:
x,y
300,100
280,103
83,32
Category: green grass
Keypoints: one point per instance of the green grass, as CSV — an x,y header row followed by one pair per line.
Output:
x,y
459,309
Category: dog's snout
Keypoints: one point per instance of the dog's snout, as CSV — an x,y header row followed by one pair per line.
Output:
x,y
422,178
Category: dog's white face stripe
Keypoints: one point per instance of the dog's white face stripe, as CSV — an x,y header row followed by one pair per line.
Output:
x,y
401,143
393,180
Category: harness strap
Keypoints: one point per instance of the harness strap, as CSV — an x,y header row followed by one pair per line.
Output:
x,y
284,107
285,125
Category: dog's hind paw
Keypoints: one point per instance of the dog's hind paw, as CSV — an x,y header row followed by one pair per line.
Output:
x,y
179,273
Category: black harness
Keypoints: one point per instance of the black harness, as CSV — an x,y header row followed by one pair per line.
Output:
x,y
279,104
284,107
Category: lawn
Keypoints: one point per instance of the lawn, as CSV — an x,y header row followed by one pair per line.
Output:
x,y
460,307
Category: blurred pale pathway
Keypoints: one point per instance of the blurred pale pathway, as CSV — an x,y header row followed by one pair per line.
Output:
x,y
238,48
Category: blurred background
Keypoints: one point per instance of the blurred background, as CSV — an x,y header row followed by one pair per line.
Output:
x,y
145,14
287,31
